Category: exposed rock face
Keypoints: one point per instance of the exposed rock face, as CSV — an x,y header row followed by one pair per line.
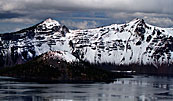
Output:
x,y
132,43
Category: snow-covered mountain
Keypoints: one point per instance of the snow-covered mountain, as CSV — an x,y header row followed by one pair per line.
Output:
x,y
135,42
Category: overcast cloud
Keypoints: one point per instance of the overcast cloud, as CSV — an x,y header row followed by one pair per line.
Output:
x,y
83,12
163,6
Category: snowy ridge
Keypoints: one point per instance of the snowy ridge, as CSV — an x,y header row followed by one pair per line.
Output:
x,y
134,42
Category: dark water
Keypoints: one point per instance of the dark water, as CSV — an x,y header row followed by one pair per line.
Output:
x,y
139,88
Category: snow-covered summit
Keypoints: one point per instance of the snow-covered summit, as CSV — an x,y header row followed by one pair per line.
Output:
x,y
49,23
50,26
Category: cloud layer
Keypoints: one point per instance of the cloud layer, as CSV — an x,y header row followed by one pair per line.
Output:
x,y
86,13
163,6
80,25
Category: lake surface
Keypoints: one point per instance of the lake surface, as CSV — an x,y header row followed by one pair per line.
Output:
x,y
139,88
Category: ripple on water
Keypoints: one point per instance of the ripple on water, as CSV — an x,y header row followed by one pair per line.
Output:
x,y
139,88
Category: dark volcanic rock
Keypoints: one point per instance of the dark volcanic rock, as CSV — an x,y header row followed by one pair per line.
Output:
x,y
50,69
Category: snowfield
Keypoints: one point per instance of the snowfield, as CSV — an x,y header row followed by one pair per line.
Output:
x,y
133,42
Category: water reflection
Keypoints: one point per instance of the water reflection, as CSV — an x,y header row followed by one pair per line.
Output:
x,y
139,88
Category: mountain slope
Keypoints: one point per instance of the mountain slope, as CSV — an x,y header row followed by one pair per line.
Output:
x,y
135,42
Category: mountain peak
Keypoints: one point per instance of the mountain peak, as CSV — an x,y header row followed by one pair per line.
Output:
x,y
50,20
137,20
50,23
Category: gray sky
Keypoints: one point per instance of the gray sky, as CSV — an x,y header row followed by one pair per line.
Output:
x,y
18,14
